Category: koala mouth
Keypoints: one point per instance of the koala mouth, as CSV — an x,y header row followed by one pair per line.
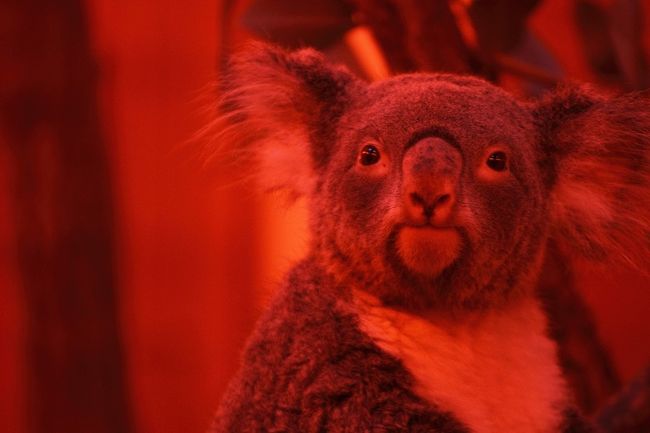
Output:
x,y
428,250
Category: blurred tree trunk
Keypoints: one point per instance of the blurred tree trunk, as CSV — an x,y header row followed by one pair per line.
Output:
x,y
417,35
49,118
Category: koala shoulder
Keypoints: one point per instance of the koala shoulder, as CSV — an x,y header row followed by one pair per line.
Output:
x,y
308,368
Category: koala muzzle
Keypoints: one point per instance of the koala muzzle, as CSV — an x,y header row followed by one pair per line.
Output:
x,y
431,169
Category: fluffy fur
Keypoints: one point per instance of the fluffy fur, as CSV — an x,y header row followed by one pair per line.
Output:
x,y
428,230
476,367
265,88
309,368
598,151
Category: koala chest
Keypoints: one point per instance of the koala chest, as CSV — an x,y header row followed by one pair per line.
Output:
x,y
495,372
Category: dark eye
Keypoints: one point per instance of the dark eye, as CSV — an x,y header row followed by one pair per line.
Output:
x,y
497,161
369,155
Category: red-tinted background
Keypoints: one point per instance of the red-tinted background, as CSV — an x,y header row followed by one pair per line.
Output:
x,y
195,259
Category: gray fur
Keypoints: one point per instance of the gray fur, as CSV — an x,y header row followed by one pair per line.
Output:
x,y
308,367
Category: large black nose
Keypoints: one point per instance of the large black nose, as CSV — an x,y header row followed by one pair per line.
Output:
x,y
431,169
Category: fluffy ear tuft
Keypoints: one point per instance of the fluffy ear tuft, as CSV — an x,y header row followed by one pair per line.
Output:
x,y
597,163
277,115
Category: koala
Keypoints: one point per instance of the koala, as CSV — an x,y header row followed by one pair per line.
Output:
x,y
432,198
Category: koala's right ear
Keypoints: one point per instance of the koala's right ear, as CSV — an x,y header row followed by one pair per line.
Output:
x,y
596,156
278,112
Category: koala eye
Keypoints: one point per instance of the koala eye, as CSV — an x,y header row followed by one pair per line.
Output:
x,y
497,161
369,155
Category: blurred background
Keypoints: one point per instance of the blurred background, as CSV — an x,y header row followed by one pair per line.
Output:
x,y
131,272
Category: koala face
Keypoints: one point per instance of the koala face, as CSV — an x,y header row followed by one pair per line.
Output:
x,y
439,191
433,196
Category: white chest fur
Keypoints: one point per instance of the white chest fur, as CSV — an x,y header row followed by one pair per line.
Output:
x,y
496,372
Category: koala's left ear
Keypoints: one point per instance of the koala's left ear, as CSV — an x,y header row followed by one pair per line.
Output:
x,y
596,159
278,114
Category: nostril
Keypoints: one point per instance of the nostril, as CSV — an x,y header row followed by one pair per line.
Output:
x,y
428,207
428,211
417,200
442,199
420,203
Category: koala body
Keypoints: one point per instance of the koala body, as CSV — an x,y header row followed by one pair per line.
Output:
x,y
432,199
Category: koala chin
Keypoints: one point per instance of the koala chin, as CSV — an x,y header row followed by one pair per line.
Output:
x,y
432,198
428,250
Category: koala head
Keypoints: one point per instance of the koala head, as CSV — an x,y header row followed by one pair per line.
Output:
x,y
441,191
